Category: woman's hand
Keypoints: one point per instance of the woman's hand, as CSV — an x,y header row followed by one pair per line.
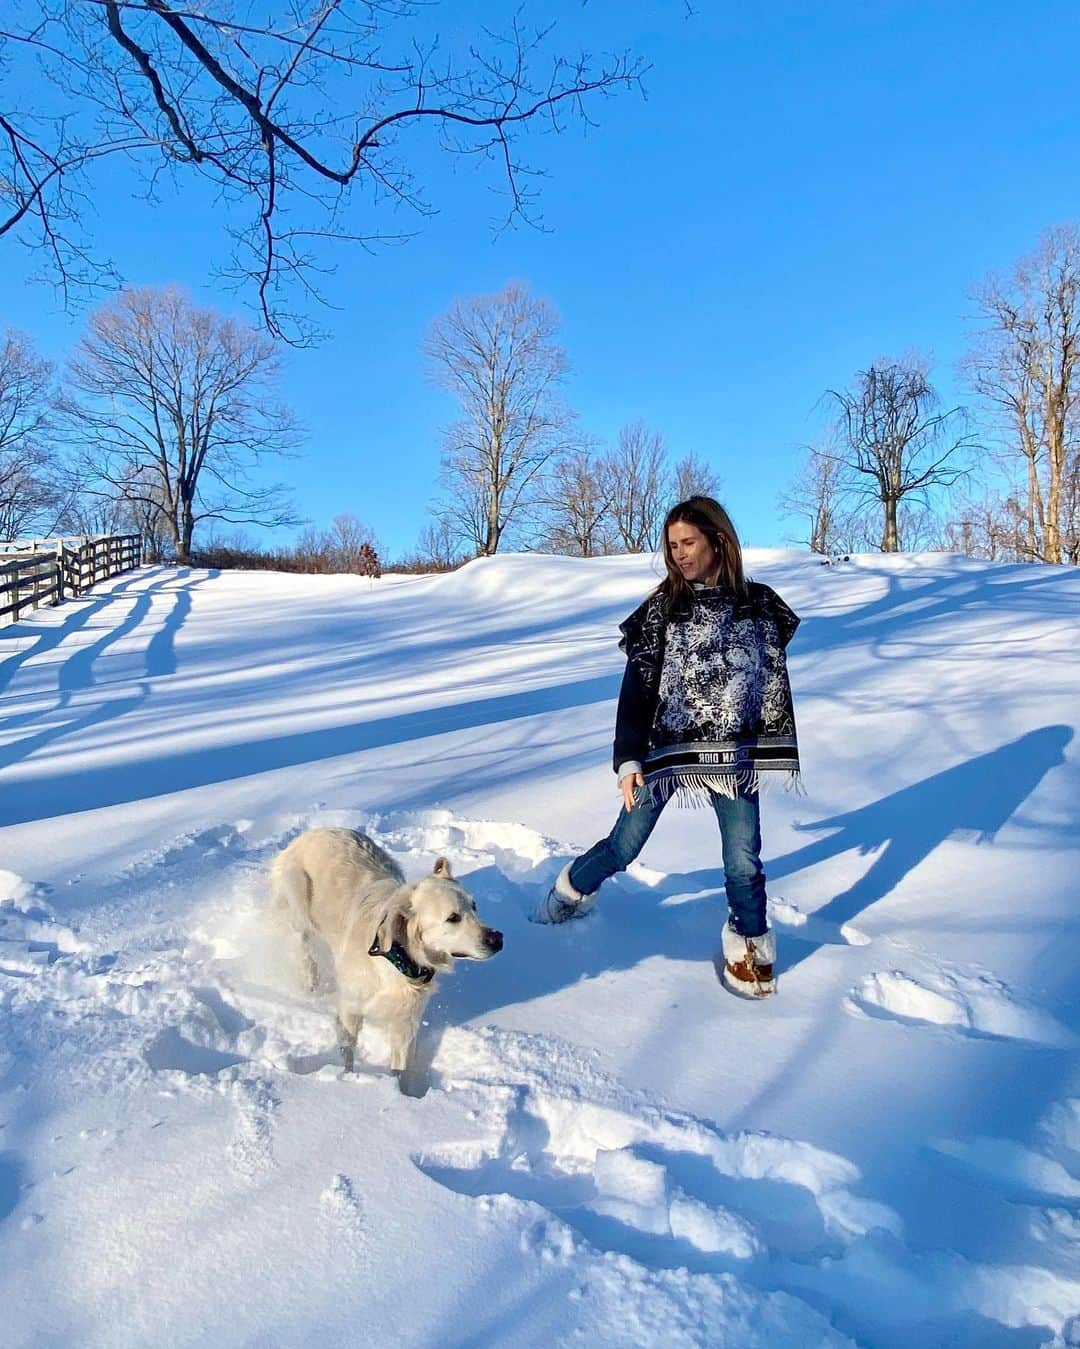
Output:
x,y
629,786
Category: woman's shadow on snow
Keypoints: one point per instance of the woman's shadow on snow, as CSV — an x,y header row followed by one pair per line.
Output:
x,y
973,800
680,916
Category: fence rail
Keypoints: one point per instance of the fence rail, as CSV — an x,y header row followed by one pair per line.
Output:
x,y
49,571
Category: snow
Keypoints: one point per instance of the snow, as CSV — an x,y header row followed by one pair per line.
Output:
x,y
610,1149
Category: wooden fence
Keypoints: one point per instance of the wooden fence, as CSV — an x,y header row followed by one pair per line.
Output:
x,y
48,571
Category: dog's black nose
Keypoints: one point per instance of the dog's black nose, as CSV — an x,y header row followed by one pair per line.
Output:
x,y
493,940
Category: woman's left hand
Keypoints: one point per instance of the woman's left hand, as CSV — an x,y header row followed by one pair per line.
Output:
x,y
629,786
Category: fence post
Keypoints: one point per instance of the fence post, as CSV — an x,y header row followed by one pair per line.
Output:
x,y
62,568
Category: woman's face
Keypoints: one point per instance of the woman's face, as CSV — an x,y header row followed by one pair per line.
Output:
x,y
692,552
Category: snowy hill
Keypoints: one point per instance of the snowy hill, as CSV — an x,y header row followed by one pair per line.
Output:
x,y
612,1151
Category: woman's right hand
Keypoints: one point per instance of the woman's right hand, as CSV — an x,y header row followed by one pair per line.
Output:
x,y
629,786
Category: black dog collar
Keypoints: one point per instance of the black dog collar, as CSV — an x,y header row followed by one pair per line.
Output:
x,y
403,962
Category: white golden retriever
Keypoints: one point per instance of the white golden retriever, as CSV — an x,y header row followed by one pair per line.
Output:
x,y
388,938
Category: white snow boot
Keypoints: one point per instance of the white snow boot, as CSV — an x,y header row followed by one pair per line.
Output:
x,y
749,963
562,902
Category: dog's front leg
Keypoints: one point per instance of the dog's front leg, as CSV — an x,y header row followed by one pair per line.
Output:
x,y
310,963
401,1048
348,1028
403,1041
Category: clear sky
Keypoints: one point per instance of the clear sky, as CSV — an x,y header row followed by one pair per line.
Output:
x,y
807,186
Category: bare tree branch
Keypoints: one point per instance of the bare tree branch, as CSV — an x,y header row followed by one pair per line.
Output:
x,y
286,117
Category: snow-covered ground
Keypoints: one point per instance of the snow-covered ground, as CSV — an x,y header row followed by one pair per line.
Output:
x,y
612,1151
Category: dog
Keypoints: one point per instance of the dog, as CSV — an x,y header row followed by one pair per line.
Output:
x,y
388,938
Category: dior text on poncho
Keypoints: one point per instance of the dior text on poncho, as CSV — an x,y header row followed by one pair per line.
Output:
x,y
705,700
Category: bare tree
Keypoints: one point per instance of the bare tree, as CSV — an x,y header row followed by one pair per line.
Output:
x,y
172,409
30,489
988,525
498,356
438,549
893,443
438,545
1026,365
1070,509
92,507
576,507
287,112
350,542
347,546
692,477
635,477
817,498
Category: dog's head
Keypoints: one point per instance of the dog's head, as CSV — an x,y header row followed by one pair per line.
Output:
x,y
442,921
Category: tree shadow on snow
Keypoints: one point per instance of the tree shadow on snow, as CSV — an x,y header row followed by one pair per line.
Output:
x,y
116,783
83,610
78,674
11,1179
912,602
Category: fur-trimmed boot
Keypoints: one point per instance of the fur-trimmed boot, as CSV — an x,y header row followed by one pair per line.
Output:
x,y
749,963
562,902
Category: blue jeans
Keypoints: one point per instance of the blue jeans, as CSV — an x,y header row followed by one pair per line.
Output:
x,y
740,839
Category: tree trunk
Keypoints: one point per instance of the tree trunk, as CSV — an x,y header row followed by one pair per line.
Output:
x,y
187,529
1052,530
890,538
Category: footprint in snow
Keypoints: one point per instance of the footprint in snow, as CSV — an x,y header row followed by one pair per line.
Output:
x,y
341,1206
969,1002
210,842
250,1149
171,1052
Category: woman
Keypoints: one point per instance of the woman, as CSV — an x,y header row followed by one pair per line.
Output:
x,y
705,709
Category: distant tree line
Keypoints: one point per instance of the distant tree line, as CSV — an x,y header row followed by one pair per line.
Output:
x,y
166,418
516,464
896,470
348,546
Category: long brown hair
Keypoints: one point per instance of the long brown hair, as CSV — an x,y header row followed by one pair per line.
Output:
x,y
714,522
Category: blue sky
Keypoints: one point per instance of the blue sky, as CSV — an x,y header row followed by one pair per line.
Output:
x,y
806,187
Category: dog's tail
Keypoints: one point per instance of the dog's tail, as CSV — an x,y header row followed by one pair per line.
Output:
x,y
290,892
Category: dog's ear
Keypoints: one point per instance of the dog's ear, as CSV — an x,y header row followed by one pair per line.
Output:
x,y
442,869
391,930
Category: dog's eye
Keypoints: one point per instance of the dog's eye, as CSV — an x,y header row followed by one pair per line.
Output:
x,y
454,918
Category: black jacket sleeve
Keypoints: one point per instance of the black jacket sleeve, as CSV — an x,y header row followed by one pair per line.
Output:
x,y
787,621
633,718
